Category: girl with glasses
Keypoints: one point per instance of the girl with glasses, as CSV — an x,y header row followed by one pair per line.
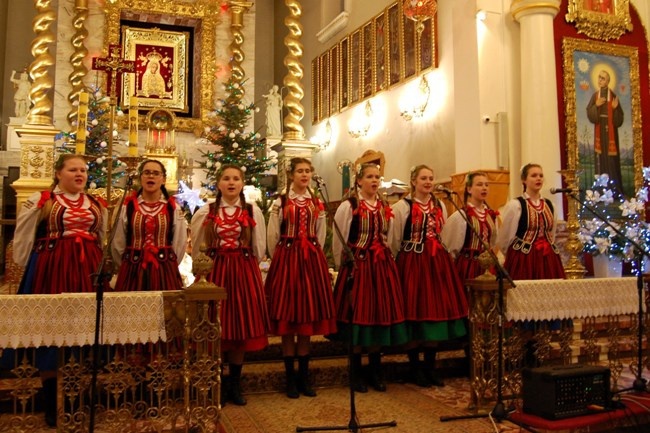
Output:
x,y
150,236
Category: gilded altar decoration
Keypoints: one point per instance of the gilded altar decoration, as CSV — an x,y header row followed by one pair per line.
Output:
x,y
80,52
600,19
161,75
199,18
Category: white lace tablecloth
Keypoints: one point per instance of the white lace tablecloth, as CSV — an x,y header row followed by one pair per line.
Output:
x,y
69,319
570,299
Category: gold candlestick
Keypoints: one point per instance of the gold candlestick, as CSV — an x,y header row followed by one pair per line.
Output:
x,y
574,268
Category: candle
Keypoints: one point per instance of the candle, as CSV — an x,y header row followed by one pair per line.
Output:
x,y
82,115
133,126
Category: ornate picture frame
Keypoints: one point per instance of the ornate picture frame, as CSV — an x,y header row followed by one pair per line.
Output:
x,y
160,79
595,137
202,17
367,60
315,91
600,19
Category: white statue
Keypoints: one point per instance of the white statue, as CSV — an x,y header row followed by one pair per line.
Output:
x,y
273,112
21,95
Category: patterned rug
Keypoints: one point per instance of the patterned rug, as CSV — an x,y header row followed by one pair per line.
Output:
x,y
415,410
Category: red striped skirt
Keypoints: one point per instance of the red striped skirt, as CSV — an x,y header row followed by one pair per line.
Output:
x,y
299,290
148,272
62,265
374,288
540,263
432,288
244,317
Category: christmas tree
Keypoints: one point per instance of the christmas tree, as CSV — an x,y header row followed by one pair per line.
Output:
x,y
99,128
230,142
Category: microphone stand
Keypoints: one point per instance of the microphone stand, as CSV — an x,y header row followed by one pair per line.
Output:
x,y
639,383
353,425
101,278
499,411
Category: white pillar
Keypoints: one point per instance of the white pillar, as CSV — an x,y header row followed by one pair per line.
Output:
x,y
540,132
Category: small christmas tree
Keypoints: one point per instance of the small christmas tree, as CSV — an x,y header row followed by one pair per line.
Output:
x,y
233,143
97,138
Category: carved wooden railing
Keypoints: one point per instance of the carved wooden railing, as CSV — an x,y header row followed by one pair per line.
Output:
x,y
166,384
546,322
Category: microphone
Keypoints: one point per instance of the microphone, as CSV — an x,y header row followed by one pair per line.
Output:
x,y
563,190
446,190
319,180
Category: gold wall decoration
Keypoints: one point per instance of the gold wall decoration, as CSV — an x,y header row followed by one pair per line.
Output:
x,y
79,70
203,16
238,8
41,112
383,52
584,61
293,130
600,19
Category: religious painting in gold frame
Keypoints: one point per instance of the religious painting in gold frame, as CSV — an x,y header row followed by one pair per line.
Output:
x,y
315,91
585,62
380,52
335,82
355,67
409,48
367,52
345,72
160,78
324,69
600,19
203,16
394,24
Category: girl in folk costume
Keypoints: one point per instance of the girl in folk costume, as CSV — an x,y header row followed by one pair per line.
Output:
x,y
59,233
462,242
298,285
58,240
434,298
150,236
528,232
234,233
368,296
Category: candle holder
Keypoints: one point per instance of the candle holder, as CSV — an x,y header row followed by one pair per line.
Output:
x,y
132,163
574,268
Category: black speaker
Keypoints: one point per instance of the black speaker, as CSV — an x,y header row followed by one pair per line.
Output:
x,y
565,391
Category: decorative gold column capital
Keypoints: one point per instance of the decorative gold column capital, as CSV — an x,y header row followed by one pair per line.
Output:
x,y
36,160
521,8
239,8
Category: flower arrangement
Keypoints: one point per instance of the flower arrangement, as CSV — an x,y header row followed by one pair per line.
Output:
x,y
626,215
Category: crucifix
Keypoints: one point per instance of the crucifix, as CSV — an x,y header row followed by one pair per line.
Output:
x,y
114,65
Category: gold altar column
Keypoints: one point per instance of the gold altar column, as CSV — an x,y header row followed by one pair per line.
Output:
x,y
238,8
79,70
540,132
293,142
37,135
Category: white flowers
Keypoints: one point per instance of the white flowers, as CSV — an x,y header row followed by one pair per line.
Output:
x,y
631,207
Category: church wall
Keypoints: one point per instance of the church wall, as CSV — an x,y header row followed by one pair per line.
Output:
x,y
452,136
